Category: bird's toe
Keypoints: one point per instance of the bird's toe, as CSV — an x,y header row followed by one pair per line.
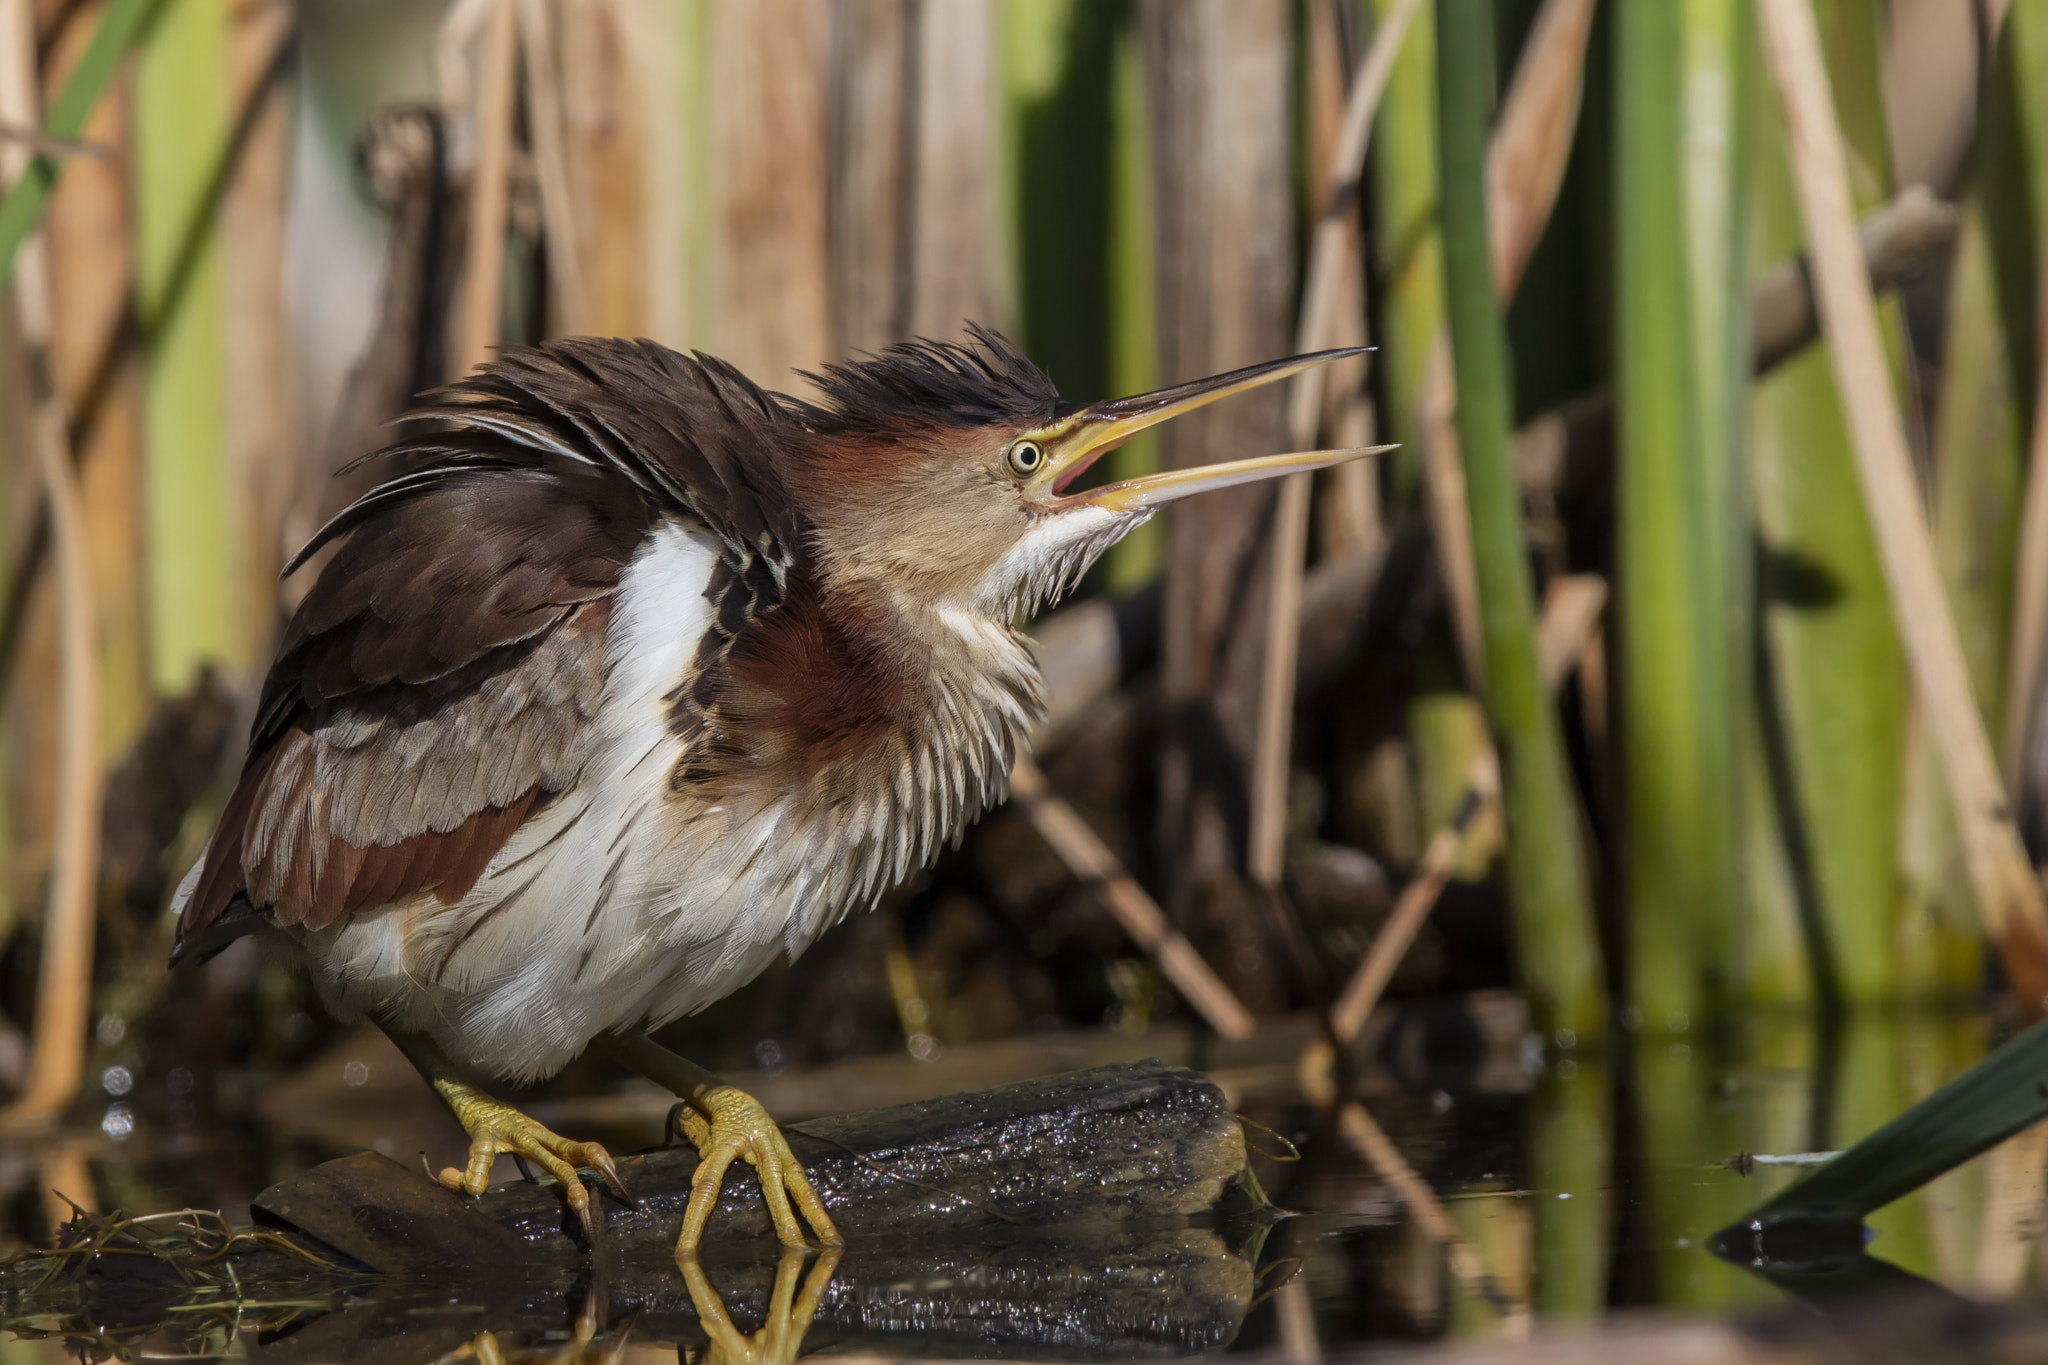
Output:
x,y
737,1127
507,1132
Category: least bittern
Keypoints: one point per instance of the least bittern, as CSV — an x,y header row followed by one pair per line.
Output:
x,y
632,676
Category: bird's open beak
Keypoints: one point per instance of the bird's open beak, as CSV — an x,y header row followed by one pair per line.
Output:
x,y
1085,436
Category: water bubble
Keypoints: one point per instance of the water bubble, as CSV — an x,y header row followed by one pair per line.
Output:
x,y
118,1123
117,1080
923,1046
768,1056
180,1081
111,1029
355,1073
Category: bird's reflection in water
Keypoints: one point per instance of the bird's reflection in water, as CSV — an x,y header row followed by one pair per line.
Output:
x,y
792,1304
790,1310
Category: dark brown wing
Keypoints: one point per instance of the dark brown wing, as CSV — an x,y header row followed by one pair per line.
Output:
x,y
437,683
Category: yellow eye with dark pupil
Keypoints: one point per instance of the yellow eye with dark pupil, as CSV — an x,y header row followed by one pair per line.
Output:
x,y
1025,457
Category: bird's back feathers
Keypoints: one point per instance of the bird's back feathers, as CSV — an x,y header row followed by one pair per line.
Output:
x,y
434,685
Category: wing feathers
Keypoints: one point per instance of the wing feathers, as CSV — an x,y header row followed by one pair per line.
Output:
x,y
438,680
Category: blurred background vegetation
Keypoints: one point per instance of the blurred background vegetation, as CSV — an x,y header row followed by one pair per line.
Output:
x,y
1294,729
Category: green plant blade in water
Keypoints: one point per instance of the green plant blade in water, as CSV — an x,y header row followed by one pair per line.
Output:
x,y
2001,1095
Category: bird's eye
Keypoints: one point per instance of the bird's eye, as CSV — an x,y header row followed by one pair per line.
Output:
x,y
1024,458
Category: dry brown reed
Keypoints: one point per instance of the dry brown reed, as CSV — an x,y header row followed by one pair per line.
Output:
x,y
1320,299
480,309
546,130
1097,865
64,988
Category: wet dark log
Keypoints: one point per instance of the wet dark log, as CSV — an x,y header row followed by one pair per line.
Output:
x,y
1115,1146
1102,1214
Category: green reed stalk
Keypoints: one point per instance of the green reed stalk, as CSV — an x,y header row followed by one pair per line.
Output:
x,y
1719,154
1133,309
1833,705
1559,951
693,113
1444,725
181,128
1676,513
1406,237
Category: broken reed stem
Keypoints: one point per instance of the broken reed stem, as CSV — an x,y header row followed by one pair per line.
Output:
x,y
480,314
2030,595
66,1179
1320,298
1571,615
1481,797
549,127
64,983
1371,1143
1525,166
2008,896
1093,862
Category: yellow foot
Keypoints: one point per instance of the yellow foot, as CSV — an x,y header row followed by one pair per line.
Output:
x,y
738,1126
781,1337
496,1129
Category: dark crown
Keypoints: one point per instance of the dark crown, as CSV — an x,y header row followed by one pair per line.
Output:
x,y
925,384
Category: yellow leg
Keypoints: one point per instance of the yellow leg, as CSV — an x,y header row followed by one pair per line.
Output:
x,y
723,1124
781,1337
496,1128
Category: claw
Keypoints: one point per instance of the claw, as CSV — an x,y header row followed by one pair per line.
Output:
x,y
497,1129
601,1162
738,1127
